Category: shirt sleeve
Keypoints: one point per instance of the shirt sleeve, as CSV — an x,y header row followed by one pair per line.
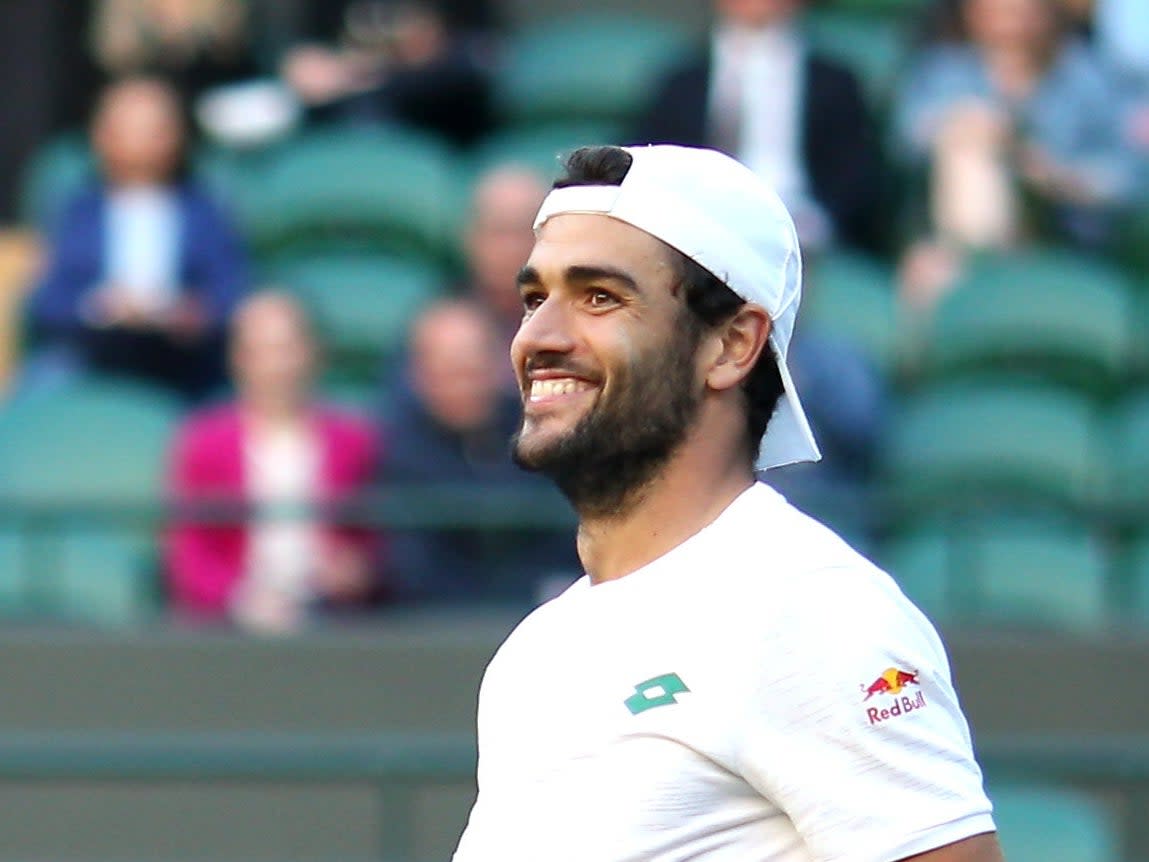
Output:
x,y
855,730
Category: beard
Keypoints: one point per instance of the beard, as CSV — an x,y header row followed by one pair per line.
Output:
x,y
623,441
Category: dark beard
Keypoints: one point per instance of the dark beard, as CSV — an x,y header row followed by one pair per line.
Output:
x,y
603,464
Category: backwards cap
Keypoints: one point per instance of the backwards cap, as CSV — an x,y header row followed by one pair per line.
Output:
x,y
726,219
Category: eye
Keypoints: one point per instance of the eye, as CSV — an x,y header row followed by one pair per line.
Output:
x,y
532,299
599,298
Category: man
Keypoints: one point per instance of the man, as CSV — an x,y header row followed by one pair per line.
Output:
x,y
730,681
797,119
498,239
448,424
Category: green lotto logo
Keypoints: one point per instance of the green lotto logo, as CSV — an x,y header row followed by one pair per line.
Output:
x,y
656,691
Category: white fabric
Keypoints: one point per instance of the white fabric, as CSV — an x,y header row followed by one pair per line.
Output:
x,y
142,245
777,628
282,479
721,215
763,68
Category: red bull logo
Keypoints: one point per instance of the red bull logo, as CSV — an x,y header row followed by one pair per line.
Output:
x,y
892,682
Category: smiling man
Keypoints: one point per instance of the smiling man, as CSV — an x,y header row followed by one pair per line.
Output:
x,y
729,682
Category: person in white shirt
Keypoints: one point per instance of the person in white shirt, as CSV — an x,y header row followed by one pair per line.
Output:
x,y
729,680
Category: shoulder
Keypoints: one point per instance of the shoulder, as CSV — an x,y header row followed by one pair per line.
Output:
x,y
956,62
823,70
795,586
198,203
211,424
345,425
543,626
348,433
85,203
207,436
1078,64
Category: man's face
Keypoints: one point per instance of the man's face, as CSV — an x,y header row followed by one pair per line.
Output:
x,y
138,133
757,13
605,358
500,237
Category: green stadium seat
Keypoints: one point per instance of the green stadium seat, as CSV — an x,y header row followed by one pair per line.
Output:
x,y
585,67
1023,314
235,178
1128,458
541,148
873,46
1044,823
1004,569
84,448
853,295
993,440
54,173
363,304
880,7
364,189
1133,577
920,562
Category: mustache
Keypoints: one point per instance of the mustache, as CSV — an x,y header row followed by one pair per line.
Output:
x,y
560,363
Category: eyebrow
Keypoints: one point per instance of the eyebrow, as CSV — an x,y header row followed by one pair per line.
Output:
x,y
528,275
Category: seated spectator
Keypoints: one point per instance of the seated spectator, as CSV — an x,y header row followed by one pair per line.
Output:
x,y
797,119
846,405
1121,32
450,424
476,21
399,64
277,457
498,239
1019,130
195,44
143,269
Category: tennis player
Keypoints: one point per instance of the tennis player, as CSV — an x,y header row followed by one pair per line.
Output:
x,y
729,682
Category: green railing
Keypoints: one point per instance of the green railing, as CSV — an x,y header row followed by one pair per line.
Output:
x,y
398,764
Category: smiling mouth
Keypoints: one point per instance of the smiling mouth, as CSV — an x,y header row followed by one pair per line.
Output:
x,y
557,387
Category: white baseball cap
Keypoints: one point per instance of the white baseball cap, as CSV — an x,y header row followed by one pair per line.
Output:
x,y
721,215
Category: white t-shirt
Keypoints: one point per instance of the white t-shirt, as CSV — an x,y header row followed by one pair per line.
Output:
x,y
283,481
761,693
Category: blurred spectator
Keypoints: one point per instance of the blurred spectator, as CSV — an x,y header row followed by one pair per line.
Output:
x,y
196,44
1121,32
330,20
797,119
143,269
846,405
450,424
278,457
498,240
1020,131
398,64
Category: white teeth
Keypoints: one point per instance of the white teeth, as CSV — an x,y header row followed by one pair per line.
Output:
x,y
551,388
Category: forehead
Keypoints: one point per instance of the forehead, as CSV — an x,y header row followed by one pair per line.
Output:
x,y
585,239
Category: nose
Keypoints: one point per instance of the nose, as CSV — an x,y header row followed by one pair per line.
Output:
x,y
546,329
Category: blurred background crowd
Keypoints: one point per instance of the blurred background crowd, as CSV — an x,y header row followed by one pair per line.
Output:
x,y
257,289
259,278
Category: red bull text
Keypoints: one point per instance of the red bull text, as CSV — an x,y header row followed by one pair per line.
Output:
x,y
892,682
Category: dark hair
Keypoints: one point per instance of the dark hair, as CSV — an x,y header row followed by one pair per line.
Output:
x,y
708,299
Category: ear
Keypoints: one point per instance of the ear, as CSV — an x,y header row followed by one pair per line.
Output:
x,y
741,341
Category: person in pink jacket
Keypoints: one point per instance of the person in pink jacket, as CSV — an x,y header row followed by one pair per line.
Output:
x,y
254,483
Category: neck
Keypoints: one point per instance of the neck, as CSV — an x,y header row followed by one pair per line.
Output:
x,y
664,513
274,412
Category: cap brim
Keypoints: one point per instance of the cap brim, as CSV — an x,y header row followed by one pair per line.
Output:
x,y
788,438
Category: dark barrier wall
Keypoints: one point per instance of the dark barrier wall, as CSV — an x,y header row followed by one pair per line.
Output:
x,y
419,674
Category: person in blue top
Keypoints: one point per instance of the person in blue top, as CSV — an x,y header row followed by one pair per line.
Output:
x,y
143,269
